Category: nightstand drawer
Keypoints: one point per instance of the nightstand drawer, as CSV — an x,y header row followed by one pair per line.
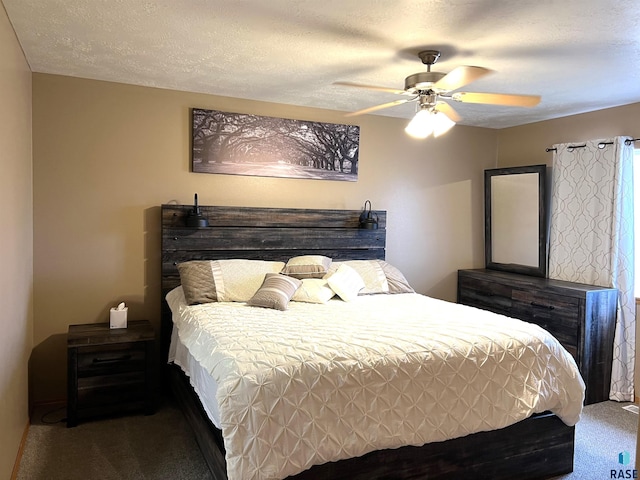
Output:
x,y
111,389
111,359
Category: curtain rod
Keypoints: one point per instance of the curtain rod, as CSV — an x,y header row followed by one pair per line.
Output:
x,y
628,141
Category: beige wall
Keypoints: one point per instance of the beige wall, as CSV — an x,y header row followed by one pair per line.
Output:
x,y
16,243
526,145
107,155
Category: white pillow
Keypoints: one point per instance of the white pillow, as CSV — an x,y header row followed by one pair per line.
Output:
x,y
346,283
371,272
313,290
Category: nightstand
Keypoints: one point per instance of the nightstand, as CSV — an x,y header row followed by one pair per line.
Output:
x,y
110,370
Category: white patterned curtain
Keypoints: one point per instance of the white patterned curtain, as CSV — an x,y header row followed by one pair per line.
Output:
x,y
591,235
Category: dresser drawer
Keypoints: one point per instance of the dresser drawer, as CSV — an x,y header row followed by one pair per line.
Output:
x,y
492,296
111,359
559,315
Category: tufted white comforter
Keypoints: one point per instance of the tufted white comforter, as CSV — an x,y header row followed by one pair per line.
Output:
x,y
321,383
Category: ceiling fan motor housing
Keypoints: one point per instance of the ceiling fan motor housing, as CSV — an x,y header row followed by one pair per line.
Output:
x,y
421,81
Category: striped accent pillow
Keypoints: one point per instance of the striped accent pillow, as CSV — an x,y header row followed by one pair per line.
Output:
x,y
276,292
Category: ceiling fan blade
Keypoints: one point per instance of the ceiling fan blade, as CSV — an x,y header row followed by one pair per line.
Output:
x,y
378,107
459,77
448,110
497,99
372,87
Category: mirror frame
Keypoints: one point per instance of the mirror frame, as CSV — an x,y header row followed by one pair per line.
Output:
x,y
541,269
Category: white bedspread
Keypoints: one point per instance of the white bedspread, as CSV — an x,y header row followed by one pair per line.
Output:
x,y
321,383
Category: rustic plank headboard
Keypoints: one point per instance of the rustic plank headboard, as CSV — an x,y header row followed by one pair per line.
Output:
x,y
261,234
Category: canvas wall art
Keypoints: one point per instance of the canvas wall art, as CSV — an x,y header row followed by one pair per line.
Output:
x,y
242,144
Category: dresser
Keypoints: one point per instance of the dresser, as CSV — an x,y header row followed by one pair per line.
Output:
x,y
110,370
582,317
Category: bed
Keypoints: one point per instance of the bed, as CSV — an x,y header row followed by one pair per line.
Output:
x,y
538,446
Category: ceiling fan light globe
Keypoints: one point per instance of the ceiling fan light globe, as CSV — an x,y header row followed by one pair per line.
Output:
x,y
441,124
421,125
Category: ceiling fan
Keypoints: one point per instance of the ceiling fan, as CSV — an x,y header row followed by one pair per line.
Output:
x,y
429,89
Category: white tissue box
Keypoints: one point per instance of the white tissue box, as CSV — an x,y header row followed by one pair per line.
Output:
x,y
118,318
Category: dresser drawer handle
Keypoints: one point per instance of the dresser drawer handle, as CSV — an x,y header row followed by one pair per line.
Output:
x,y
122,358
549,307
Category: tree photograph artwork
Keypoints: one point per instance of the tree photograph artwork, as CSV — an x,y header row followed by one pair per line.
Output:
x,y
242,144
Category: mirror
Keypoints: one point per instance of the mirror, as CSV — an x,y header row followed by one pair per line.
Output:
x,y
515,219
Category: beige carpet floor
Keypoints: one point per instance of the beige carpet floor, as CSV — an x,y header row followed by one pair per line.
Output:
x,y
161,446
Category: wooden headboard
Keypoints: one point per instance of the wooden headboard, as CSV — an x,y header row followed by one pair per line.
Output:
x,y
261,234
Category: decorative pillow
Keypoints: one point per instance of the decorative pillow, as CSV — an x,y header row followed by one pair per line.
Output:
x,y
275,292
346,282
313,290
205,281
395,278
307,266
197,282
371,273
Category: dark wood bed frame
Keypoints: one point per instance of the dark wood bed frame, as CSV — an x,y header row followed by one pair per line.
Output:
x,y
538,447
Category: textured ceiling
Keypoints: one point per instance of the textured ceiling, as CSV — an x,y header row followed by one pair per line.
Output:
x,y
580,55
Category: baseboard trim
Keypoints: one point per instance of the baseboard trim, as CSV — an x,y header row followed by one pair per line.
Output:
x,y
23,442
